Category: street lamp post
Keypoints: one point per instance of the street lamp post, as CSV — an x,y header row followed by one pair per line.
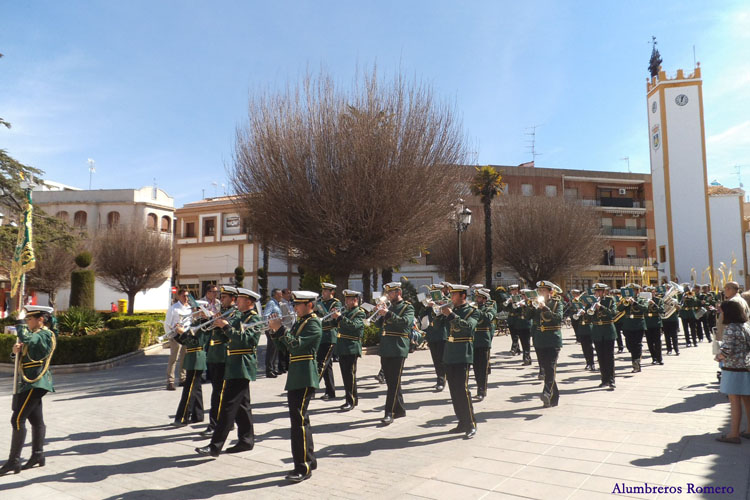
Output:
x,y
463,220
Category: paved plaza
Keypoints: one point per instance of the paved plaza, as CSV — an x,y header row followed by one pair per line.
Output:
x,y
108,437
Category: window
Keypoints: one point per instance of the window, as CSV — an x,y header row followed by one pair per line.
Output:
x,y
527,190
79,219
662,254
631,252
209,227
189,230
151,221
571,193
606,221
550,190
113,218
165,224
631,223
62,215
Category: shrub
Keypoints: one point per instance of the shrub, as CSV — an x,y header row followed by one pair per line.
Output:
x,y
239,275
372,336
122,321
83,259
82,288
79,321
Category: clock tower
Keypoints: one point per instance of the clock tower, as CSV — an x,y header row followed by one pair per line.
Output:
x,y
677,145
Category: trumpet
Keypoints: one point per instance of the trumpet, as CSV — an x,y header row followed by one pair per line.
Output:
x,y
264,323
538,302
591,310
334,310
381,303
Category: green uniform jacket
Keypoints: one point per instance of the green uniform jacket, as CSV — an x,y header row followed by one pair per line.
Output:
x,y
486,325
689,306
518,318
330,331
602,325
195,349
351,328
653,313
302,343
547,324
394,330
38,347
462,323
217,346
437,331
634,315
242,346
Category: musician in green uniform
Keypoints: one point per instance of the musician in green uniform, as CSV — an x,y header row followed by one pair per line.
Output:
x,y
436,334
670,321
302,342
633,323
583,335
519,322
241,333
461,320
195,340
351,329
35,346
654,310
689,305
601,318
395,323
615,294
707,304
323,309
547,313
216,357
485,330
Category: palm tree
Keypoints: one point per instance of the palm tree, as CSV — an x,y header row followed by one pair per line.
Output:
x,y
487,184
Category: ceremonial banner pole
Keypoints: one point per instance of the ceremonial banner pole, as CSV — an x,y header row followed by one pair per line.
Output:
x,y
23,261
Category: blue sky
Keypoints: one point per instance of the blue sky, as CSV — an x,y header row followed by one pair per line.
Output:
x,y
155,89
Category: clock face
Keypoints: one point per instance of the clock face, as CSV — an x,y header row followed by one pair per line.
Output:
x,y
681,100
653,107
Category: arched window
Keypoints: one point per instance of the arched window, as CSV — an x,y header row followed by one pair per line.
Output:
x,y
62,215
151,221
79,219
113,218
165,224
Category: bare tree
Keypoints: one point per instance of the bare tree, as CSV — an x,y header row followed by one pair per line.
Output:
x,y
547,237
54,263
131,259
348,179
444,253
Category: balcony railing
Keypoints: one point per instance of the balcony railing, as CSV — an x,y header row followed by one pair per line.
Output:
x,y
636,262
623,231
613,203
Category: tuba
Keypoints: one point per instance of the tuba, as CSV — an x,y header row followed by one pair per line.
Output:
x,y
670,301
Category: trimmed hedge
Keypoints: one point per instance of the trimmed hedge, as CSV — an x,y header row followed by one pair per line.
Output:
x,y
371,337
82,288
97,347
122,321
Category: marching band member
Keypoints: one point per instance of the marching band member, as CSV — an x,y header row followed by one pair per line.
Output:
x,y
583,333
190,408
633,325
302,342
485,330
216,357
707,302
655,309
351,329
437,333
395,323
462,319
328,342
547,313
617,321
35,346
670,325
603,333
518,321
241,367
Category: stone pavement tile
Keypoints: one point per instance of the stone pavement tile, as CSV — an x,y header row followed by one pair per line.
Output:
x,y
512,456
571,452
568,464
497,495
629,460
735,479
440,490
605,487
532,489
626,473
491,466
551,476
503,443
594,495
468,477
589,444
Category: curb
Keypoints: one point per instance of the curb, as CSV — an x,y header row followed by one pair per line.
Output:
x,y
7,368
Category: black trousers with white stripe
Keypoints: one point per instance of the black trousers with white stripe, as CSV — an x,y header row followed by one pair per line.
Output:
x,y
458,384
190,408
234,408
303,450
348,364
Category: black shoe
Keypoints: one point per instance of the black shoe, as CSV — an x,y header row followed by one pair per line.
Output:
x,y
540,376
480,398
346,407
545,399
14,458
619,350
178,424
380,378
603,384
297,477
387,420
439,388
327,397
271,375
239,448
207,433
11,465
612,386
208,450
470,433
171,387
37,447
677,353
660,363
669,353
457,429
